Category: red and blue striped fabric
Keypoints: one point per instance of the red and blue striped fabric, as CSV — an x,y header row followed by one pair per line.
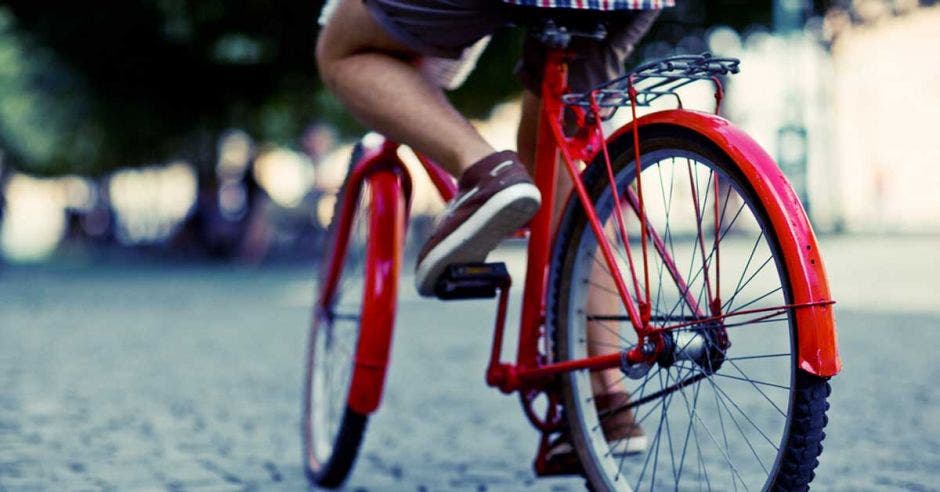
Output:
x,y
597,4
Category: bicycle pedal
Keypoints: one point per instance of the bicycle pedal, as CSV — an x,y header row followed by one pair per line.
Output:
x,y
471,281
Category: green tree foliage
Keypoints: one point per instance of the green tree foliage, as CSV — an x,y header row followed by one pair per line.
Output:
x,y
161,78
85,87
43,116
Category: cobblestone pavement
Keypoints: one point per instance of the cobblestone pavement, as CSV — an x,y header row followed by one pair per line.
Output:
x,y
187,378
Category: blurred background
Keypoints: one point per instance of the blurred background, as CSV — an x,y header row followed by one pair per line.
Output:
x,y
200,128
168,169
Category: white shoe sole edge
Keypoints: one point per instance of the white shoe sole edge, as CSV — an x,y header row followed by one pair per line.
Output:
x,y
619,448
628,446
502,214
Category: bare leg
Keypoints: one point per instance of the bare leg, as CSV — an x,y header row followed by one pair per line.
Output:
x,y
375,78
601,339
525,142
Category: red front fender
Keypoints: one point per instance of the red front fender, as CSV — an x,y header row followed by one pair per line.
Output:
x,y
380,292
386,215
816,333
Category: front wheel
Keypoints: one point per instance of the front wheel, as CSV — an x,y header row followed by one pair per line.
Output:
x,y
724,406
355,300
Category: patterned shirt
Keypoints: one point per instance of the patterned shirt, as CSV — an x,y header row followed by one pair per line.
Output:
x,y
597,4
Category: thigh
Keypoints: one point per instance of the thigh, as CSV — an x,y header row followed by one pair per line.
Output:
x,y
349,28
437,28
353,26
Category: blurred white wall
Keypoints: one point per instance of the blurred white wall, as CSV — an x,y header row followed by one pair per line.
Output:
x,y
870,108
886,135
786,81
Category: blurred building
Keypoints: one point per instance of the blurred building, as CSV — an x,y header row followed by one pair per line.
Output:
x,y
847,106
886,101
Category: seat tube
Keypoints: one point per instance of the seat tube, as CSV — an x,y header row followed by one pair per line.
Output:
x,y
540,240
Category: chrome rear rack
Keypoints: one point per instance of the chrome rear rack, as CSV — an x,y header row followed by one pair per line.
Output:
x,y
655,80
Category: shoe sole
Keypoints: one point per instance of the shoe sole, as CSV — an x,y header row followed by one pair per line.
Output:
x,y
618,449
504,213
629,446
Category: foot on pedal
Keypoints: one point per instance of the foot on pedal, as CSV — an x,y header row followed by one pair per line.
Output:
x,y
471,281
495,197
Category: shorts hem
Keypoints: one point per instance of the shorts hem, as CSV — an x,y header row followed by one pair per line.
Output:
x,y
406,38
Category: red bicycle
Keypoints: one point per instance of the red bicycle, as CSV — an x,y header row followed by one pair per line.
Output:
x,y
683,264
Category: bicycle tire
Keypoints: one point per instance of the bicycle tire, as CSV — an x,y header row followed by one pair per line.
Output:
x,y
328,459
802,432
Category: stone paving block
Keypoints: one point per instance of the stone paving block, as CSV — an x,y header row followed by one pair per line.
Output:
x,y
188,378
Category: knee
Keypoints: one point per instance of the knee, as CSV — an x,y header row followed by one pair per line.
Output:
x,y
326,61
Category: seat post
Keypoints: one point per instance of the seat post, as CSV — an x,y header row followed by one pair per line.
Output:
x,y
558,36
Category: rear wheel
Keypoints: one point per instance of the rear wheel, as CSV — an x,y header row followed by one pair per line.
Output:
x,y
332,431
724,406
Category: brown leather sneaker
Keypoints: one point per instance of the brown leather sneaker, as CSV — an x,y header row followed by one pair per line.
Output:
x,y
623,434
495,197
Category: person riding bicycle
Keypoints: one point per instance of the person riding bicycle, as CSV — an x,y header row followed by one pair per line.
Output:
x,y
388,62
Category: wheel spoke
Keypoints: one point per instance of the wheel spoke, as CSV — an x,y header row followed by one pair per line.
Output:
x,y
722,397
722,450
758,299
770,318
738,287
691,281
610,330
725,397
752,381
707,235
727,305
756,387
690,409
767,356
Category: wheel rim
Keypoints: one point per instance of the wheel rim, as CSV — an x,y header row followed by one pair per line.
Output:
x,y
332,344
725,431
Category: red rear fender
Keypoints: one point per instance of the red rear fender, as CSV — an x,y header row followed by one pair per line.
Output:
x,y
818,353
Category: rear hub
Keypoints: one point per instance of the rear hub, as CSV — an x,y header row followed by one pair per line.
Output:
x,y
705,345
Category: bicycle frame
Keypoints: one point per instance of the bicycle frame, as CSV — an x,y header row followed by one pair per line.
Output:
x,y
532,373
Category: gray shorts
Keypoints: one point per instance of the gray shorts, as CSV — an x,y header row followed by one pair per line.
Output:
x,y
445,28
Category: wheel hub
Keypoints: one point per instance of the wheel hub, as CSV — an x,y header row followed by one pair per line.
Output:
x,y
700,345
